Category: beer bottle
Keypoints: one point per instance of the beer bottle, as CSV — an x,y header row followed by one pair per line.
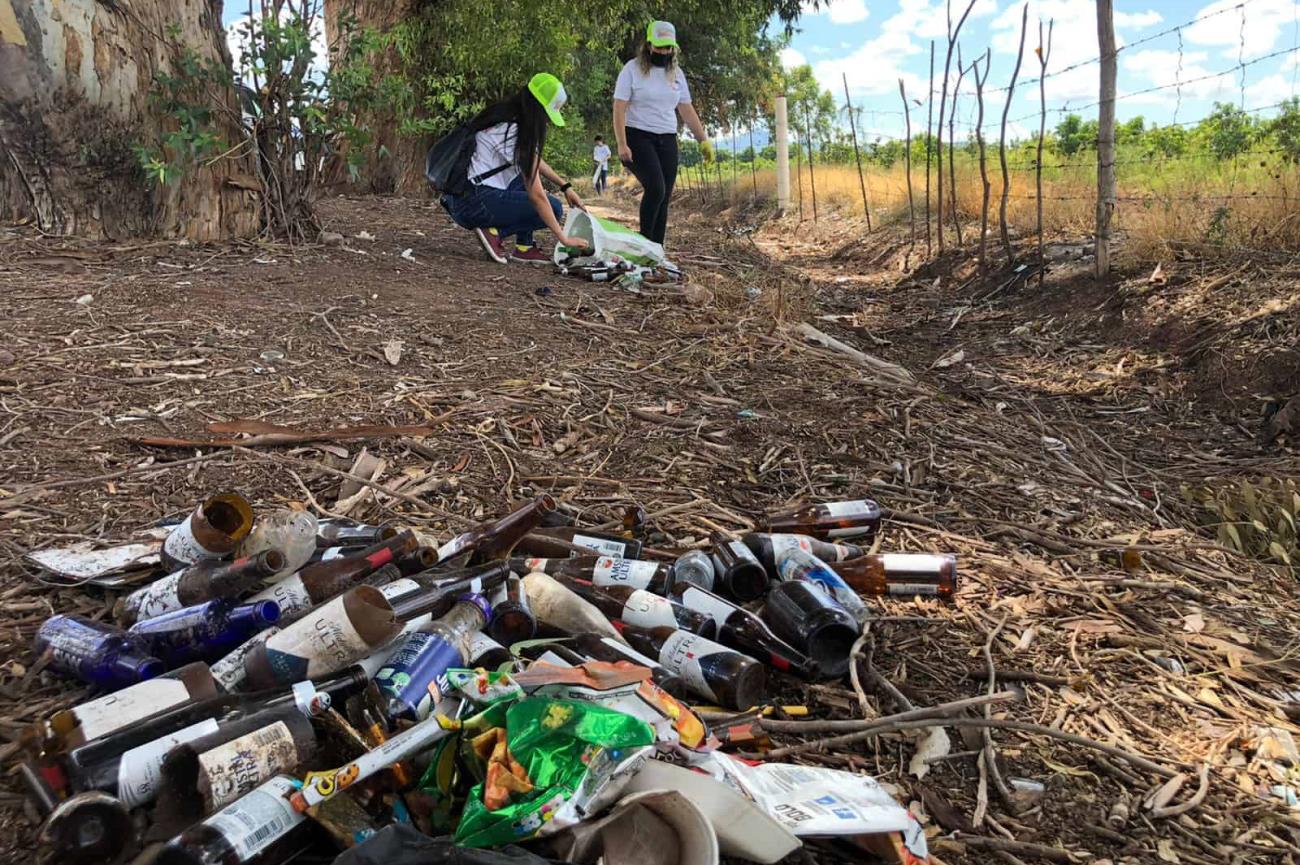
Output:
x,y
745,632
414,678
799,565
212,531
205,631
559,610
321,581
337,532
328,638
90,720
828,520
802,614
740,574
695,567
95,653
261,827
641,608
206,580
770,548
417,561
439,589
604,571
710,670
901,574
85,829
487,652
542,542
496,539
512,619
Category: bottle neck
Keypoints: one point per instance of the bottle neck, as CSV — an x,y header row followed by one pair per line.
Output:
x,y
253,617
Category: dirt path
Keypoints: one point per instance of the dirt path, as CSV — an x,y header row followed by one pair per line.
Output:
x,y
1034,456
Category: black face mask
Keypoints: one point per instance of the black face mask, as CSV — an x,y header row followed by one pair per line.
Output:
x,y
660,60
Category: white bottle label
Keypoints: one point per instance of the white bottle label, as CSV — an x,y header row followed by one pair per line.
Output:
x,y
851,532
182,546
604,546
681,654
229,671
645,610
909,589
326,639
783,545
914,563
238,766
452,547
333,553
623,572
107,714
844,509
397,588
742,552
137,774
257,820
709,604
160,596
290,593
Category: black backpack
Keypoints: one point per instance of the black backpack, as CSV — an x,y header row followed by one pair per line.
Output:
x,y
447,164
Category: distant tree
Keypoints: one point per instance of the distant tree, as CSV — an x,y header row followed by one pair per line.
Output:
x,y
1228,131
1074,134
1130,132
1285,129
1166,140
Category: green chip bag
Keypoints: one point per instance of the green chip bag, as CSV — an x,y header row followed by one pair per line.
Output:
x,y
576,755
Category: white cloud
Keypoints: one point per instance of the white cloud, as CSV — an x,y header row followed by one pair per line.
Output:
x,y
1138,19
847,11
792,57
1074,40
237,41
1159,67
1269,90
1251,31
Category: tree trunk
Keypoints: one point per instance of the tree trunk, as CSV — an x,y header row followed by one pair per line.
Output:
x,y
75,78
394,162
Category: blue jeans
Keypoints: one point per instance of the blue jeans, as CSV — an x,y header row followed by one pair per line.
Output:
x,y
509,211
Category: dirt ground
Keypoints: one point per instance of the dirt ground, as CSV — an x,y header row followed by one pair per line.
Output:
x,y
1042,432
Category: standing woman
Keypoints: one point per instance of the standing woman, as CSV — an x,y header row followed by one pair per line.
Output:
x,y
650,95
505,197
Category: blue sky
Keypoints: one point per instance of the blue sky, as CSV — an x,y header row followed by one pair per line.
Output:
x,y
875,42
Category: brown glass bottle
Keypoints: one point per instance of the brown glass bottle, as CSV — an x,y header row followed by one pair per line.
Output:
x,y
641,608
319,582
604,571
596,647
591,542
261,827
740,575
496,539
745,632
901,574
802,614
73,727
440,588
710,670
512,619
848,519
769,549
212,531
205,580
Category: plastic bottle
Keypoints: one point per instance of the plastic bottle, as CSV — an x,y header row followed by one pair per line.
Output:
x,y
203,632
96,653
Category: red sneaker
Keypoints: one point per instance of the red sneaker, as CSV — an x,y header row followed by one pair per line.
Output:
x,y
492,244
529,255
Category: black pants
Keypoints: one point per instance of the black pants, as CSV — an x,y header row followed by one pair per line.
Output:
x,y
654,162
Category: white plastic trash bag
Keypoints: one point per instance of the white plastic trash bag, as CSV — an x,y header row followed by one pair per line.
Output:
x,y
607,241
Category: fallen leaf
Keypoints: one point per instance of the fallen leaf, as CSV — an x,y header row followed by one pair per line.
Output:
x,y
948,360
393,351
1194,624
935,744
1165,850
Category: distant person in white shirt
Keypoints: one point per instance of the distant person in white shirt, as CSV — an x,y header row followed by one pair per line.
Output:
x,y
649,97
600,155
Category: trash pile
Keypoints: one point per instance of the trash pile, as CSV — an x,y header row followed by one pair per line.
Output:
x,y
615,254
289,682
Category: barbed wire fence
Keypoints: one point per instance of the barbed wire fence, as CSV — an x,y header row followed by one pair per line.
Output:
x,y
1151,174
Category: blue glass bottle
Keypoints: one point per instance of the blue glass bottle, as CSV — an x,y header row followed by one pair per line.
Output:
x,y
414,678
204,632
94,652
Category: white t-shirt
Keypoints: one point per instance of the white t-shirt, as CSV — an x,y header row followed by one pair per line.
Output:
x,y
652,98
601,154
492,147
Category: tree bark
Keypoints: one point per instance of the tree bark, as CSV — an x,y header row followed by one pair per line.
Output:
x,y
75,79
1105,135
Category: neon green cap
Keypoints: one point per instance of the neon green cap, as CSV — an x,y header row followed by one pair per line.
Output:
x,y
661,34
550,92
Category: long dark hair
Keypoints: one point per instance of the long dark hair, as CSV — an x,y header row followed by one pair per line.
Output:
x,y
531,122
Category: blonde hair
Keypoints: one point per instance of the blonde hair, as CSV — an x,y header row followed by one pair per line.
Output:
x,y
644,64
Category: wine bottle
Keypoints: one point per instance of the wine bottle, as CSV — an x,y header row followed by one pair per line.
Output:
x,y
211,772
695,567
86,829
591,542
336,532
414,678
604,571
901,574
90,720
745,632
496,539
205,631
769,549
560,611
599,648
95,653
512,619
212,531
851,519
799,565
487,652
206,580
319,582
289,531
740,574
639,607
262,827
712,671
325,640
802,614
